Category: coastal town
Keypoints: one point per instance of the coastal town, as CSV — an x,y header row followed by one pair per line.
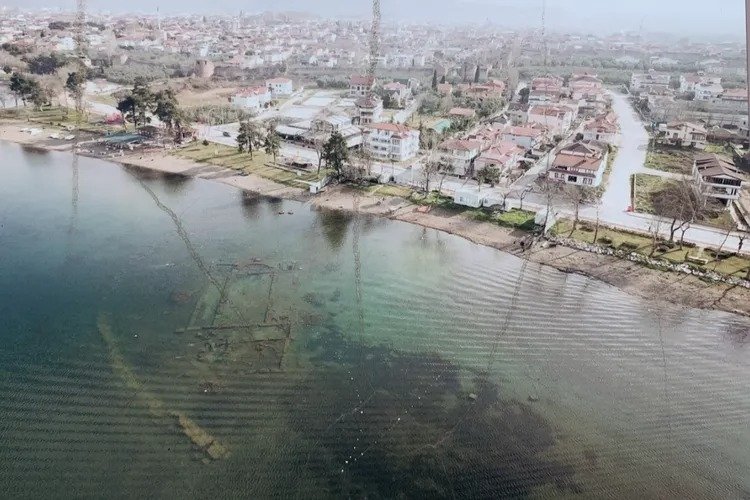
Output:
x,y
631,144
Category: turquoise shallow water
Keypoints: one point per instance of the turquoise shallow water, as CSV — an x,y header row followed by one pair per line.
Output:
x,y
434,368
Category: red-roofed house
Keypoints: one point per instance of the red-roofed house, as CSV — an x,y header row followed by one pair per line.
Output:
x,y
503,155
391,141
580,163
467,113
603,128
445,89
361,86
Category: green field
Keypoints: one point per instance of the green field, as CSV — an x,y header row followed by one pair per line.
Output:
x,y
666,159
728,265
261,163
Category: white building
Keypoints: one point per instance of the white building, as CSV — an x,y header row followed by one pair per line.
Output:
x,y
527,137
651,81
280,87
682,134
460,154
369,109
253,98
718,178
556,119
392,142
580,163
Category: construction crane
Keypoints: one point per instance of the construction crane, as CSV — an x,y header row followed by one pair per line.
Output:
x,y
81,53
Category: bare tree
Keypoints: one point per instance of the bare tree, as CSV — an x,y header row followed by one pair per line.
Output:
x,y
445,169
524,192
431,167
578,195
679,202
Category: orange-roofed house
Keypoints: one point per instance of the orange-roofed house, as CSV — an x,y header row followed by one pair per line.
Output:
x,y
360,85
581,163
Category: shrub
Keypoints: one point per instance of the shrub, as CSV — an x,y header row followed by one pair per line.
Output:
x,y
205,142
629,245
605,240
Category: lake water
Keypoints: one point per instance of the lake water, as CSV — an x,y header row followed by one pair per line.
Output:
x,y
166,337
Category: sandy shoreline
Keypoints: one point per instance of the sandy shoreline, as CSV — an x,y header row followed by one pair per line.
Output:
x,y
635,279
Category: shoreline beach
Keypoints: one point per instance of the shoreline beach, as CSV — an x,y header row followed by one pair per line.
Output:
x,y
635,279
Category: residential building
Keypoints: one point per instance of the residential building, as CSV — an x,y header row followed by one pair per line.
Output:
x,y
651,81
399,93
391,141
465,113
369,110
603,128
503,155
581,163
460,154
528,137
361,86
253,98
586,86
518,113
556,118
683,134
445,89
718,178
280,87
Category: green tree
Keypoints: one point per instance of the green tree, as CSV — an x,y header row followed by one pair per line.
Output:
x,y
45,64
272,143
166,108
434,80
7,69
477,73
249,138
524,95
136,105
445,168
336,153
489,174
75,84
25,88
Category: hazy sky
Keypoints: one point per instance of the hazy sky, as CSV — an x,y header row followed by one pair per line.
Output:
x,y
677,16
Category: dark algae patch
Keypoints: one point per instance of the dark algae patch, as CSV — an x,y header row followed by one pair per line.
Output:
x,y
380,423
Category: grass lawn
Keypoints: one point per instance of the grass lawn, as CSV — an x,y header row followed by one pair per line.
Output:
x,y
261,164
729,265
56,116
718,149
645,186
426,120
676,160
601,188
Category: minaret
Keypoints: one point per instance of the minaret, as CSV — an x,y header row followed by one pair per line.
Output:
x,y
158,19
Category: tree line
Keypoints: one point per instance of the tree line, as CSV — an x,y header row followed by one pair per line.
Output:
x,y
140,103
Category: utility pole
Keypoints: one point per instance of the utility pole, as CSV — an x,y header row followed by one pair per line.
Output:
x,y
747,53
